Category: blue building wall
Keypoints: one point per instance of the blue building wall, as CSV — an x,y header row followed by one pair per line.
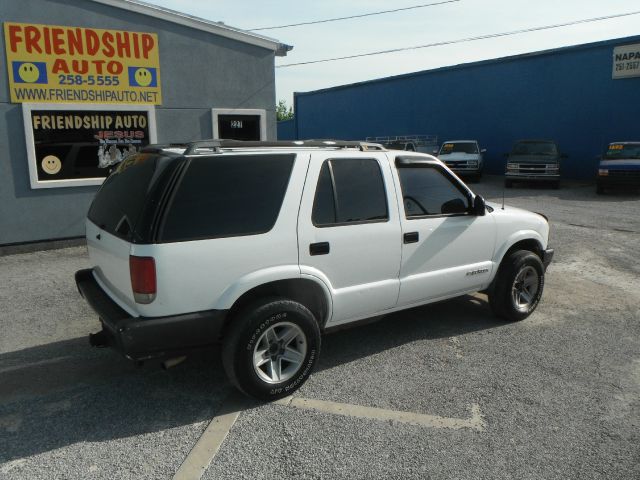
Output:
x,y
565,94
286,130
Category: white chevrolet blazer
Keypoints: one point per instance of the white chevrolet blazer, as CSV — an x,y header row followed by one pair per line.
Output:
x,y
263,246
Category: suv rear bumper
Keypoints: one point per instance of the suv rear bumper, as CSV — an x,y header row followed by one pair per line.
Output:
x,y
141,338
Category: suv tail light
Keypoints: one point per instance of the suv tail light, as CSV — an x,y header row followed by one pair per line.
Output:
x,y
143,278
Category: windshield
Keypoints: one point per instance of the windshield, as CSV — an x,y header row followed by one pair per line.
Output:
x,y
535,148
619,150
462,147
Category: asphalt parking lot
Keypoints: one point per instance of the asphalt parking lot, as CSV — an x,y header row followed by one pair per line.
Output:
x,y
445,391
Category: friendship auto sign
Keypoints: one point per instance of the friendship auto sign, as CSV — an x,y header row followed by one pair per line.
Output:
x,y
55,64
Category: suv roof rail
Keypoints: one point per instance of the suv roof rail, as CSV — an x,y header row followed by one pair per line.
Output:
x,y
216,146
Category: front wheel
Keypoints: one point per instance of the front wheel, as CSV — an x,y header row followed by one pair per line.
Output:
x,y
271,348
518,286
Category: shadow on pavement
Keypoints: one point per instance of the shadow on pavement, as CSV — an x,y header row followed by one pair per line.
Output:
x,y
64,393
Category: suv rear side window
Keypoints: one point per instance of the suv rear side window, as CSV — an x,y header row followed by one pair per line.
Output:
x,y
349,190
226,196
122,197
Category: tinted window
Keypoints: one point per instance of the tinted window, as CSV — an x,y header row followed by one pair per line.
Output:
x,y
121,198
228,196
427,191
324,206
359,192
535,148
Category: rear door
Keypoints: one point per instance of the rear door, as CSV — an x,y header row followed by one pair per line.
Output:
x,y
349,232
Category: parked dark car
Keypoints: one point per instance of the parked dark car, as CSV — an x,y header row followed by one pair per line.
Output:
x,y
619,166
534,161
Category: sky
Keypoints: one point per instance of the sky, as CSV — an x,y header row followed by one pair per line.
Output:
x,y
452,21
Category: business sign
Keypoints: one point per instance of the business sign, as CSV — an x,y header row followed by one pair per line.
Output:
x,y
72,145
53,64
626,61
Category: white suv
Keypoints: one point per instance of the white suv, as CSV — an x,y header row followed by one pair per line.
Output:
x,y
264,246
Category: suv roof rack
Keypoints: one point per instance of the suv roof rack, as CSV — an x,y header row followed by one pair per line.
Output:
x,y
416,139
216,146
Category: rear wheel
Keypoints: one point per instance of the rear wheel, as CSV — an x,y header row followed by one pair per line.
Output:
x,y
271,348
518,286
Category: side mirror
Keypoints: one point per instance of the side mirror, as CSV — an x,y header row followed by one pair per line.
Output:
x,y
434,151
454,206
484,150
479,206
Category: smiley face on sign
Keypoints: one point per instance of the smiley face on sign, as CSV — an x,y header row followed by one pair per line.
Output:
x,y
28,72
51,164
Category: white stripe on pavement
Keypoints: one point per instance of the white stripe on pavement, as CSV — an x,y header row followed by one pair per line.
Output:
x,y
207,446
476,422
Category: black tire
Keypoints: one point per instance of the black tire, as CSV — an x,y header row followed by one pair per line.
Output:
x,y
504,297
249,326
508,183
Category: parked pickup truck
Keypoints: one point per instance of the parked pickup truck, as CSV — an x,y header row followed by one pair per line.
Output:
x,y
534,161
265,245
619,167
464,157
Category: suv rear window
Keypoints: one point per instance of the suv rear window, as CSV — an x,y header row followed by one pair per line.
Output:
x,y
226,196
121,199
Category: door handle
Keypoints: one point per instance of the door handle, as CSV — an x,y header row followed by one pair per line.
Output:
x,y
411,237
320,248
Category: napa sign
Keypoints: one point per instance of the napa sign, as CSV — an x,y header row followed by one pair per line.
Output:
x,y
54,64
626,61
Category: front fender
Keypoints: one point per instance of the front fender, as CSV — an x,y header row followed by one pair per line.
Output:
x,y
514,238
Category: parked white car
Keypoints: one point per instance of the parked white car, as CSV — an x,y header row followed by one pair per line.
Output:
x,y
464,157
264,246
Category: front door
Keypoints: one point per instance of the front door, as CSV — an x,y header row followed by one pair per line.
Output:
x,y
447,250
349,232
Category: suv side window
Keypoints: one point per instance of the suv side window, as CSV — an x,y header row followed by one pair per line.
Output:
x,y
350,190
426,190
226,196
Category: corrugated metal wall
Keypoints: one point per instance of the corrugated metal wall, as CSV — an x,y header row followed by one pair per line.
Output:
x,y
567,95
